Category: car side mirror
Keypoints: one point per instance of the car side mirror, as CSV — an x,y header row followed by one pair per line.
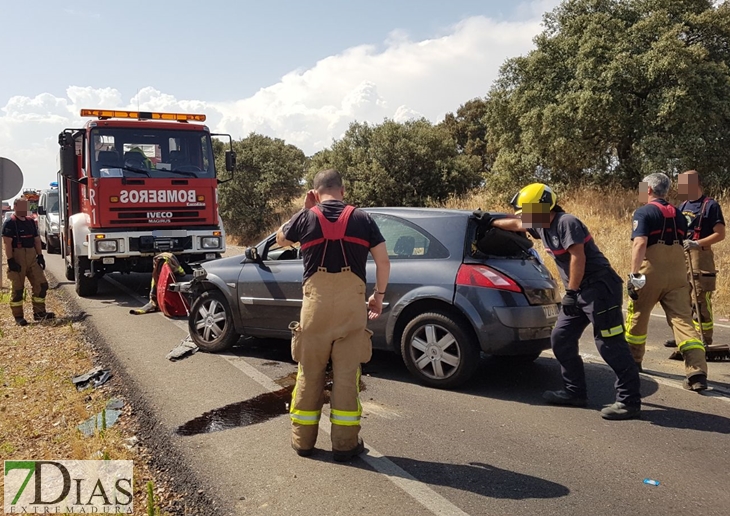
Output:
x,y
252,254
41,210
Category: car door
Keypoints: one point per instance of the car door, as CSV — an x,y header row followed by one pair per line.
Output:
x,y
418,261
270,290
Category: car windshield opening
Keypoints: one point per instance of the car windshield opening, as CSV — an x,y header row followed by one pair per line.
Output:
x,y
151,152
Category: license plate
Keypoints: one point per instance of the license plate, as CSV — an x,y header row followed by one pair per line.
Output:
x,y
550,311
107,261
210,256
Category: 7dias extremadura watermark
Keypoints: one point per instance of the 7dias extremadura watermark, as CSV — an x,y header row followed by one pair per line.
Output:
x,y
68,486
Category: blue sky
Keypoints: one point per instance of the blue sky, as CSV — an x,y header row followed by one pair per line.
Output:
x,y
301,71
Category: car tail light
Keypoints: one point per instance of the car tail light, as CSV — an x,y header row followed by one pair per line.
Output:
x,y
483,276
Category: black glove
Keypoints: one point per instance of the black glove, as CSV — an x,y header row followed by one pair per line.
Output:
x,y
633,293
13,266
483,218
570,303
41,261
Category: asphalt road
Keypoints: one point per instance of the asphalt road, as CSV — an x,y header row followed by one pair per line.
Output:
x,y
490,448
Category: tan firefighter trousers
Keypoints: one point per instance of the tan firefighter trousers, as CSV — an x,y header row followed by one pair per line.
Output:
x,y
26,258
703,266
332,326
666,283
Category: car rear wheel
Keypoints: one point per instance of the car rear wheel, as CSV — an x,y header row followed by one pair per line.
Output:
x,y
437,351
211,322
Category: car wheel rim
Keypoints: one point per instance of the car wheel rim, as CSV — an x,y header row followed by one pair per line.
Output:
x,y
210,320
435,351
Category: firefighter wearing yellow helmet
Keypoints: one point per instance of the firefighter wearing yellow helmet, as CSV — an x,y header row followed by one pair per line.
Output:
x,y
593,295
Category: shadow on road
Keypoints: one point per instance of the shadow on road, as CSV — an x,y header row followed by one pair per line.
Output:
x,y
672,417
476,477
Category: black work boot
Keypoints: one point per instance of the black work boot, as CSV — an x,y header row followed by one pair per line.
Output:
x,y
620,411
42,316
20,321
344,456
563,397
671,343
696,382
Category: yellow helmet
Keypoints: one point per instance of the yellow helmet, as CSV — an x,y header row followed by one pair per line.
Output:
x,y
535,193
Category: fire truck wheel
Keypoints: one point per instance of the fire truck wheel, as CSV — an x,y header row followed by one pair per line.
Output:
x,y
211,322
85,286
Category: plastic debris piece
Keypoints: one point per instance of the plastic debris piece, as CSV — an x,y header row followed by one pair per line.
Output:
x,y
101,379
651,482
98,421
114,403
84,378
94,378
185,348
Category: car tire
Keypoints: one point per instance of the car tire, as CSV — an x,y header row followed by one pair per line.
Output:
x,y
207,333
51,249
438,352
85,286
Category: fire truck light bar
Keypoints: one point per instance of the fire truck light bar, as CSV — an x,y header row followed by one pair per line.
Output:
x,y
104,114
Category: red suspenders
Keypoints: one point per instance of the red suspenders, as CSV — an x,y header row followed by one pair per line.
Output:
x,y
335,231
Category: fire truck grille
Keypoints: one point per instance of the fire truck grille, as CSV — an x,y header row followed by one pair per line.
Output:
x,y
147,244
135,216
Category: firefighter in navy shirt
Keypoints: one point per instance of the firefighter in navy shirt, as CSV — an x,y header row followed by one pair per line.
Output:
x,y
25,259
659,275
706,227
593,296
335,241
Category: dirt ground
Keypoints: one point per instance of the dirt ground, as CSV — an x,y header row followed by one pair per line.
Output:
x,y
40,407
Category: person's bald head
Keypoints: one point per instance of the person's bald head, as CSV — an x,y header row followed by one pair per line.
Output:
x,y
689,185
329,183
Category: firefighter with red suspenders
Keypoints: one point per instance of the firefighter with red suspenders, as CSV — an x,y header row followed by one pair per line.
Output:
x,y
335,241
659,275
706,227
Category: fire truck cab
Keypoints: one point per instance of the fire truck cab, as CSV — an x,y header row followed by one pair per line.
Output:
x,y
132,185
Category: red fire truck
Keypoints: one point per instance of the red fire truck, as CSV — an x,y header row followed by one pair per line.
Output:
x,y
134,184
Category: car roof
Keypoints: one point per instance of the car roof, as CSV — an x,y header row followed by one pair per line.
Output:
x,y
420,212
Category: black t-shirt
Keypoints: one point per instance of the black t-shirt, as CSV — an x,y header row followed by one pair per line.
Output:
x,y
304,227
566,230
711,216
23,232
649,221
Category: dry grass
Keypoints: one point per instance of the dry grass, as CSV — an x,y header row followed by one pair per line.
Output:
x,y
607,213
39,405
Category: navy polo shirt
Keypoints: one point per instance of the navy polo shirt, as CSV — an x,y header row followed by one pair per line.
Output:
x,y
649,221
566,230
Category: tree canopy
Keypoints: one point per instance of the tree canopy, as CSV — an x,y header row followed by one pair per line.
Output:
x,y
399,164
616,89
267,177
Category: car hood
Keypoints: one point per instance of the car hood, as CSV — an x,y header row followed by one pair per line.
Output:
x,y
222,263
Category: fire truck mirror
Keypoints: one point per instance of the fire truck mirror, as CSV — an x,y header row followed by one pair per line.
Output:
x,y
68,157
41,210
230,161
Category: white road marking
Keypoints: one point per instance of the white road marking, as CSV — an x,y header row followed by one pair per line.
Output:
x,y
714,324
416,489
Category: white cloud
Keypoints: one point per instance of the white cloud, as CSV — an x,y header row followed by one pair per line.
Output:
x,y
405,79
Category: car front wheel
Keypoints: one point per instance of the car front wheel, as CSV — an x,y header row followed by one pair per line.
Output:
x,y
437,351
211,322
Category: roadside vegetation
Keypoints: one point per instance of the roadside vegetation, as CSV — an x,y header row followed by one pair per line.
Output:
x,y
40,408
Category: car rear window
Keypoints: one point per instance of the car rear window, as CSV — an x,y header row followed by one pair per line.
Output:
x,y
405,240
